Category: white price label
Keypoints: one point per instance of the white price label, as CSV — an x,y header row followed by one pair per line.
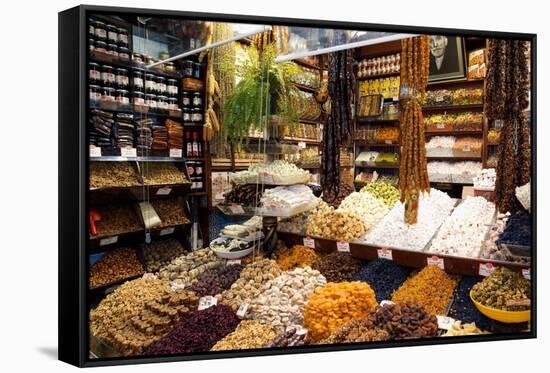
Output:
x,y
485,269
177,284
149,276
309,242
395,98
389,142
440,126
236,209
439,98
445,322
164,191
343,246
466,149
175,153
219,196
385,254
388,302
167,231
207,302
231,262
526,272
241,312
108,241
301,145
95,151
128,152
436,261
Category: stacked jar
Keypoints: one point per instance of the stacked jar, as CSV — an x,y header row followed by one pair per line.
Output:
x,y
379,66
108,39
108,84
154,91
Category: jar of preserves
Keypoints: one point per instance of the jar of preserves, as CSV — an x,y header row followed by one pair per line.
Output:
x,y
108,94
188,69
122,37
123,53
94,72
91,44
91,29
196,115
164,55
197,70
122,97
108,75
138,98
137,58
95,92
112,49
150,84
172,103
151,101
100,46
197,100
162,102
172,87
161,85
112,34
138,79
122,80
186,100
186,114
100,31
170,67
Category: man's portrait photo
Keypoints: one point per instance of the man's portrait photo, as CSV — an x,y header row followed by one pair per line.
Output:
x,y
446,58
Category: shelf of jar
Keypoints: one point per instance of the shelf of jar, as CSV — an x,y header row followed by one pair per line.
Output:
x,y
139,111
453,107
377,76
104,58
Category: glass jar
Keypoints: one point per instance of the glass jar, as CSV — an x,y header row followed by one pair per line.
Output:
x,y
123,53
91,44
186,100
122,80
161,85
108,75
162,102
188,69
170,67
95,92
100,31
164,55
137,79
172,103
197,100
122,37
112,34
112,49
108,94
91,29
94,73
196,115
137,58
122,97
100,46
150,84
172,87
197,70
151,101
138,98
186,114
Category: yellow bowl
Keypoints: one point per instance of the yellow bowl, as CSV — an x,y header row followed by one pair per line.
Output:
x,y
509,317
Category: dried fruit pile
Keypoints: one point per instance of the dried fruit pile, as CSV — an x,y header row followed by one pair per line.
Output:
x,y
503,289
404,321
383,276
338,266
297,256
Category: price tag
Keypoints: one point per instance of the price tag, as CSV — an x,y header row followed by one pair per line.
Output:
x,y
440,126
384,302
439,98
175,153
163,191
219,196
207,302
436,261
128,152
236,209
241,312
148,237
466,149
95,151
342,246
300,330
309,242
519,302
149,276
485,269
167,231
395,98
526,272
385,254
268,178
177,284
108,241
388,142
445,322
231,262
301,145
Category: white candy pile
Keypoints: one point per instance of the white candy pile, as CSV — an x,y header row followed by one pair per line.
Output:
x,y
369,208
485,179
277,172
288,197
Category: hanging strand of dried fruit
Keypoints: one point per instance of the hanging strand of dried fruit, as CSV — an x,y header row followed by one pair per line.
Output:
x,y
507,99
413,170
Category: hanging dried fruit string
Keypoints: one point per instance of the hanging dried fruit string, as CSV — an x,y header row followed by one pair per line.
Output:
x,y
338,127
507,99
413,170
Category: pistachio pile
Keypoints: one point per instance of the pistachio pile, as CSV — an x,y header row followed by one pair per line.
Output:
x,y
189,267
503,289
159,173
249,334
385,192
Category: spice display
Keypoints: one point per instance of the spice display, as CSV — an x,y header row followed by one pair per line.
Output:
x,y
116,219
369,105
189,267
379,65
110,174
459,329
383,276
393,231
463,96
508,82
338,266
249,334
114,266
430,288
159,253
244,194
335,304
469,121
284,298
199,333
277,172
387,87
383,191
336,225
216,280
250,283
357,331
503,289
298,256
370,209
517,231
294,335
159,173
463,309
405,320
334,199
463,232
170,211
413,170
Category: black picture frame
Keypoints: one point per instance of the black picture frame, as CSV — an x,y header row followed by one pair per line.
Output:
x,y
73,190
447,58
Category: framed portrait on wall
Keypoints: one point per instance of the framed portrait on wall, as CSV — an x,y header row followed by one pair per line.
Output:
x,y
447,58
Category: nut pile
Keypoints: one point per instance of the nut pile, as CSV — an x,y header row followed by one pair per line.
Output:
x,y
298,223
170,212
430,288
159,173
283,301
117,219
383,276
338,266
404,321
370,209
199,333
463,308
336,225
159,253
502,289
294,335
459,329
333,305
216,280
189,267
250,283
357,331
108,174
114,266
249,334
297,256
386,192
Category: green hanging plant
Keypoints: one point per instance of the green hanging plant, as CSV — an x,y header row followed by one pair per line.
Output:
x,y
263,82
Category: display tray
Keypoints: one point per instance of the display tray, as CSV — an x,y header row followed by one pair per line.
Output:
x,y
137,193
523,251
237,210
376,144
139,111
453,107
440,178
100,57
240,210
452,133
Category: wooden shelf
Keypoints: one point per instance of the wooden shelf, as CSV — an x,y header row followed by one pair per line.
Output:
x,y
378,76
364,120
453,107
453,133
297,140
380,167
305,88
457,159
308,121
364,143
306,64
